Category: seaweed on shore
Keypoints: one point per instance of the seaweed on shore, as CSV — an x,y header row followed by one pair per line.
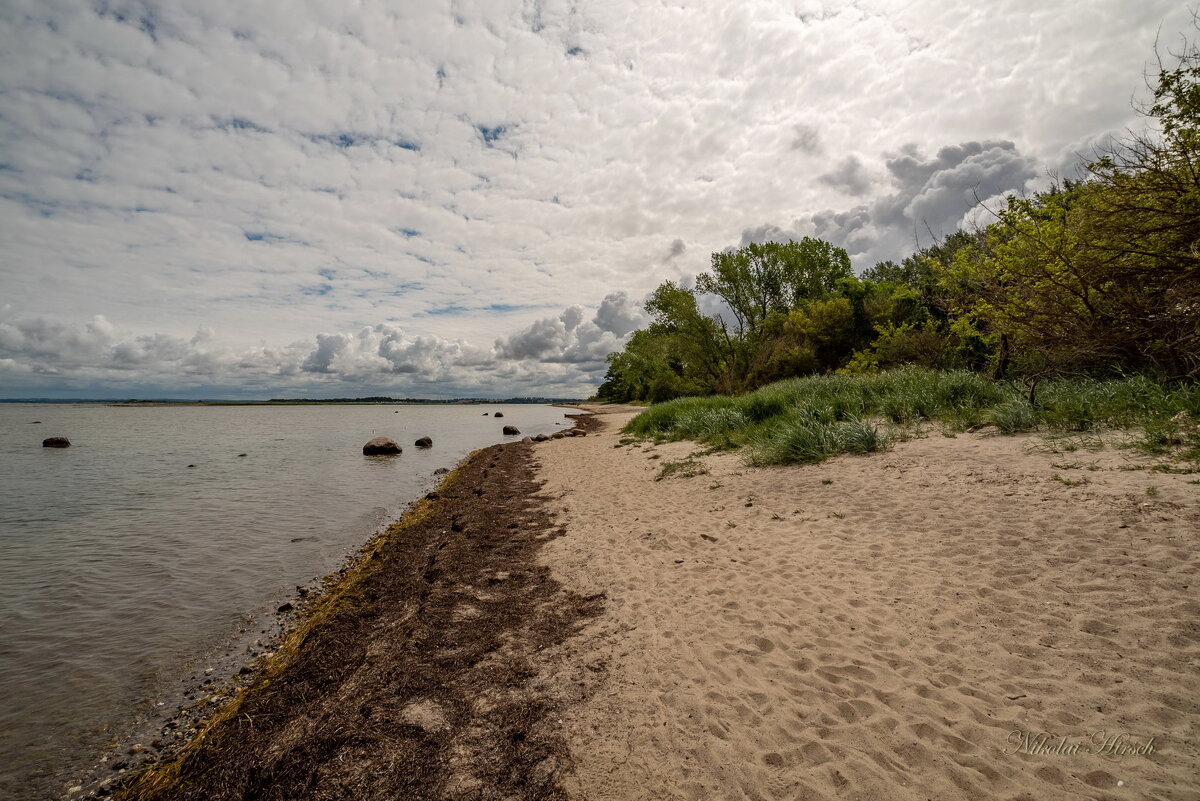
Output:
x,y
413,676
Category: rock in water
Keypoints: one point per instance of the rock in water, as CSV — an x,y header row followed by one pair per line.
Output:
x,y
511,430
424,442
56,442
381,446
499,414
441,471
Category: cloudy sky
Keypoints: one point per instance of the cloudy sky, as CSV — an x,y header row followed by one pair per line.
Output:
x,y
222,198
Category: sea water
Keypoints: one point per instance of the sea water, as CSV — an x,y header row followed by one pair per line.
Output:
x,y
128,558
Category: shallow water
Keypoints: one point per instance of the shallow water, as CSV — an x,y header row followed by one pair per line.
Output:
x,y
122,567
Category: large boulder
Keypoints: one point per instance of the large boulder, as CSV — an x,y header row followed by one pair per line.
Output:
x,y
56,442
381,446
424,442
511,430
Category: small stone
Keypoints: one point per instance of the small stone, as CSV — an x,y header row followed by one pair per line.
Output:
x,y
285,608
137,748
527,440
240,455
511,430
56,442
499,414
441,471
424,442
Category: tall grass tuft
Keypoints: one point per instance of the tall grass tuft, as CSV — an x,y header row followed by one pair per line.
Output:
x,y
862,436
808,419
1013,416
795,439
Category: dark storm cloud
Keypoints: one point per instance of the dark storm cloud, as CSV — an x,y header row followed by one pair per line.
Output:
x,y
848,176
932,197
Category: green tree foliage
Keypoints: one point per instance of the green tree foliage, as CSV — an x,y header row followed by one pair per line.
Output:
x,y
1100,275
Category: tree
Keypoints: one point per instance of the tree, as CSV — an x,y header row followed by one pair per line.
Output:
x,y
1103,274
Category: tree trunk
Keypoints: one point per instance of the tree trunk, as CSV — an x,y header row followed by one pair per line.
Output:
x,y
1002,363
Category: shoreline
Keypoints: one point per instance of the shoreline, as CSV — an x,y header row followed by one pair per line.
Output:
x,y
868,627
484,518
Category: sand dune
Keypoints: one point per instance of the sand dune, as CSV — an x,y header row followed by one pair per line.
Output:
x,y
879,627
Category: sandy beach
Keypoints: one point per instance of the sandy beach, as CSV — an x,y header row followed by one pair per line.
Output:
x,y
972,617
967,617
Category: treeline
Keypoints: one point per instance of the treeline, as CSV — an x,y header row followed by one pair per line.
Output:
x,y
1096,276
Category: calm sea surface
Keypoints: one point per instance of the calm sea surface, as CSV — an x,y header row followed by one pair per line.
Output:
x,y
122,568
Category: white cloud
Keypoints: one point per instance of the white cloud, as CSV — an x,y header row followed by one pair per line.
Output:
x,y
457,171
565,353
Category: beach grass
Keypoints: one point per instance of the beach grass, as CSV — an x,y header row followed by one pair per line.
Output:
x,y
810,419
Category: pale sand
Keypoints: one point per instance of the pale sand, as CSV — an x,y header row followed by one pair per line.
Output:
x,y
875,627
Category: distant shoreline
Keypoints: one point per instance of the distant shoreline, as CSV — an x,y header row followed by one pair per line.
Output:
x,y
132,403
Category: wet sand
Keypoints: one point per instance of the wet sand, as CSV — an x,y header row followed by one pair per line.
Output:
x,y
896,626
415,675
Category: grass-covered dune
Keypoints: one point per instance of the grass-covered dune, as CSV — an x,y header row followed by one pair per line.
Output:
x,y
810,419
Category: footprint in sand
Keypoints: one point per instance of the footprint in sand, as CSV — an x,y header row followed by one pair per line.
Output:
x,y
762,644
